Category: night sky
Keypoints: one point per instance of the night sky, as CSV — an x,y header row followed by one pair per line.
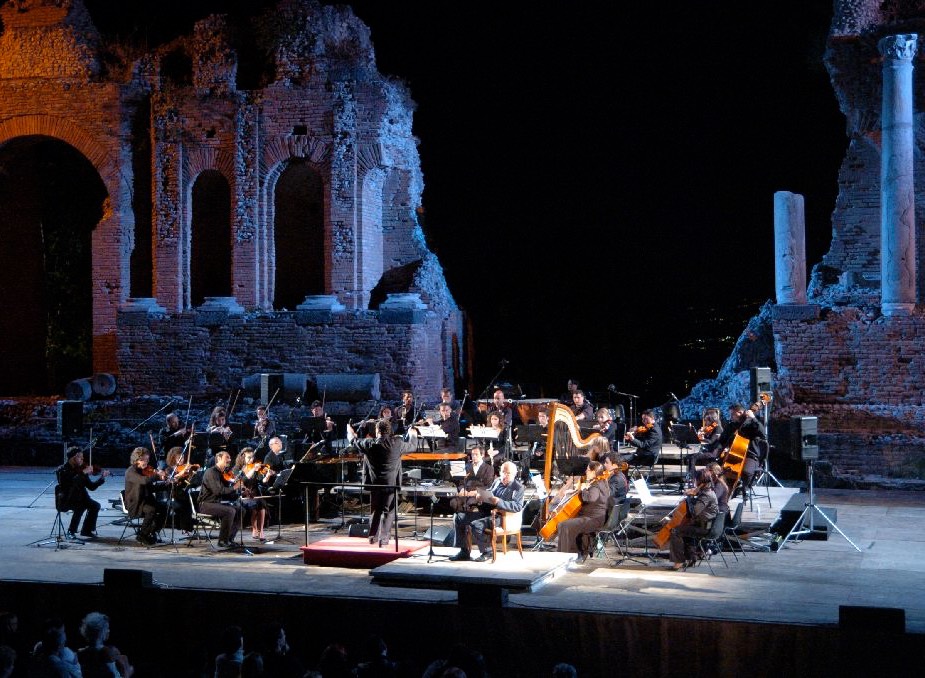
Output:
x,y
599,177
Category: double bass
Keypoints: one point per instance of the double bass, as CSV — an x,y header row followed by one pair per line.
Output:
x,y
734,459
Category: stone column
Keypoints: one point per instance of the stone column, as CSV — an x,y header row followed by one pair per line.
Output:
x,y
897,198
789,248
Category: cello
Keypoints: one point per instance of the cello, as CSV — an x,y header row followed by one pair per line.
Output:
x,y
678,516
568,508
734,460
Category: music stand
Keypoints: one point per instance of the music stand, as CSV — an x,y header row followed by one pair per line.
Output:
x,y
278,489
646,498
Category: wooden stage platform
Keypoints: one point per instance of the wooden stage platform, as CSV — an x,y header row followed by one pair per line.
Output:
x,y
804,583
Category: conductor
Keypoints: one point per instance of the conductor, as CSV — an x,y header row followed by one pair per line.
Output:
x,y
382,470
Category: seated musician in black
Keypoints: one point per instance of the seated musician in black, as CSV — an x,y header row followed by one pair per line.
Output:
x,y
386,414
743,421
216,490
498,448
702,509
322,437
500,405
647,439
264,429
173,434
446,396
567,397
73,484
449,424
575,533
506,494
277,459
619,485
720,488
404,413
219,433
479,476
580,407
605,426
710,437
141,485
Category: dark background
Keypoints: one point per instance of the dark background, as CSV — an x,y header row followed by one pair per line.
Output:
x,y
599,177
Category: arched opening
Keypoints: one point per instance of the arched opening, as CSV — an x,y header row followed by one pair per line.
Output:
x,y
210,259
51,198
298,232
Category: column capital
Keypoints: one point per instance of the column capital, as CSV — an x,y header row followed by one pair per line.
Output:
x,y
899,47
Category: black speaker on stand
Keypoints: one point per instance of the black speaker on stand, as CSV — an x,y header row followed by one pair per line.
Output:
x,y
759,381
70,418
804,441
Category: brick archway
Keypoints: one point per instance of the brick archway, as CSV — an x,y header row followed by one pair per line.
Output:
x,y
112,240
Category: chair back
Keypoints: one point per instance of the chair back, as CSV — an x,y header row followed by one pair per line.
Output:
x,y
616,515
719,524
736,517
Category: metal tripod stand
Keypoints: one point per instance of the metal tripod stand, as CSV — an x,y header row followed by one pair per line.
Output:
x,y
798,528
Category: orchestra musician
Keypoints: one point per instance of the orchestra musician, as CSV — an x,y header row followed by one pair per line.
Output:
x,y
219,432
173,434
720,488
449,424
479,476
251,476
327,431
73,489
605,425
498,448
446,396
619,485
575,533
507,494
217,488
264,429
570,388
499,404
277,459
141,485
710,437
580,407
181,475
702,509
404,412
647,439
382,472
386,413
743,421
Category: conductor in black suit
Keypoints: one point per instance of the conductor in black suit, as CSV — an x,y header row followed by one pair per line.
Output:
x,y
382,471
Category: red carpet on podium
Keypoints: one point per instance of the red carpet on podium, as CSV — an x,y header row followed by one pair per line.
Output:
x,y
357,552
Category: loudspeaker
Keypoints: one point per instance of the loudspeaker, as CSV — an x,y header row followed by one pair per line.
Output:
x,y
269,385
759,381
127,579
358,530
443,535
804,441
70,418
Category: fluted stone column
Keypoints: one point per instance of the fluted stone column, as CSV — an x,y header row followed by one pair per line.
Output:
x,y
789,248
897,198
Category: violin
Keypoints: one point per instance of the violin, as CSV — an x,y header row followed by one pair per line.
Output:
x,y
148,471
640,430
706,431
95,470
184,469
256,467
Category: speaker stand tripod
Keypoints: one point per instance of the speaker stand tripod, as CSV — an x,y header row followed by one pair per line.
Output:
x,y
798,528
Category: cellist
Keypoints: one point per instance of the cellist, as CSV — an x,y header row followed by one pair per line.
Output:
x,y
702,509
575,533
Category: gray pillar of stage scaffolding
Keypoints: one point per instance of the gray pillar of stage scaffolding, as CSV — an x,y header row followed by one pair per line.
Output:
x,y
897,192
789,248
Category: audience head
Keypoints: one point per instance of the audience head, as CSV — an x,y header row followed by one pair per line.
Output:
x,y
95,628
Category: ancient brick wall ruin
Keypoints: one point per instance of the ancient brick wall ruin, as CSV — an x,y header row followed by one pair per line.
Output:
x,y
180,109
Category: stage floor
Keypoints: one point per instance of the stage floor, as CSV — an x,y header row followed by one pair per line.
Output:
x,y
803,583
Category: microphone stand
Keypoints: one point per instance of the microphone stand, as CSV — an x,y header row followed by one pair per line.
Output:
x,y
632,399
494,379
430,553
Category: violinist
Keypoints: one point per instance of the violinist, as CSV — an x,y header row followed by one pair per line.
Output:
x,y
605,425
173,434
479,476
264,429
323,428
219,431
73,492
580,407
141,485
251,476
619,485
702,509
709,435
647,439
217,487
575,534
500,405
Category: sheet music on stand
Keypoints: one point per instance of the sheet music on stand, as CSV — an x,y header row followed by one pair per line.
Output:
x,y
458,468
537,479
476,431
430,431
642,490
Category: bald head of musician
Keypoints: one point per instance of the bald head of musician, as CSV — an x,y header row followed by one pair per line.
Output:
x,y
508,473
275,445
498,398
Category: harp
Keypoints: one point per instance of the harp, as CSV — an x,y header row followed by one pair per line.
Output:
x,y
565,445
